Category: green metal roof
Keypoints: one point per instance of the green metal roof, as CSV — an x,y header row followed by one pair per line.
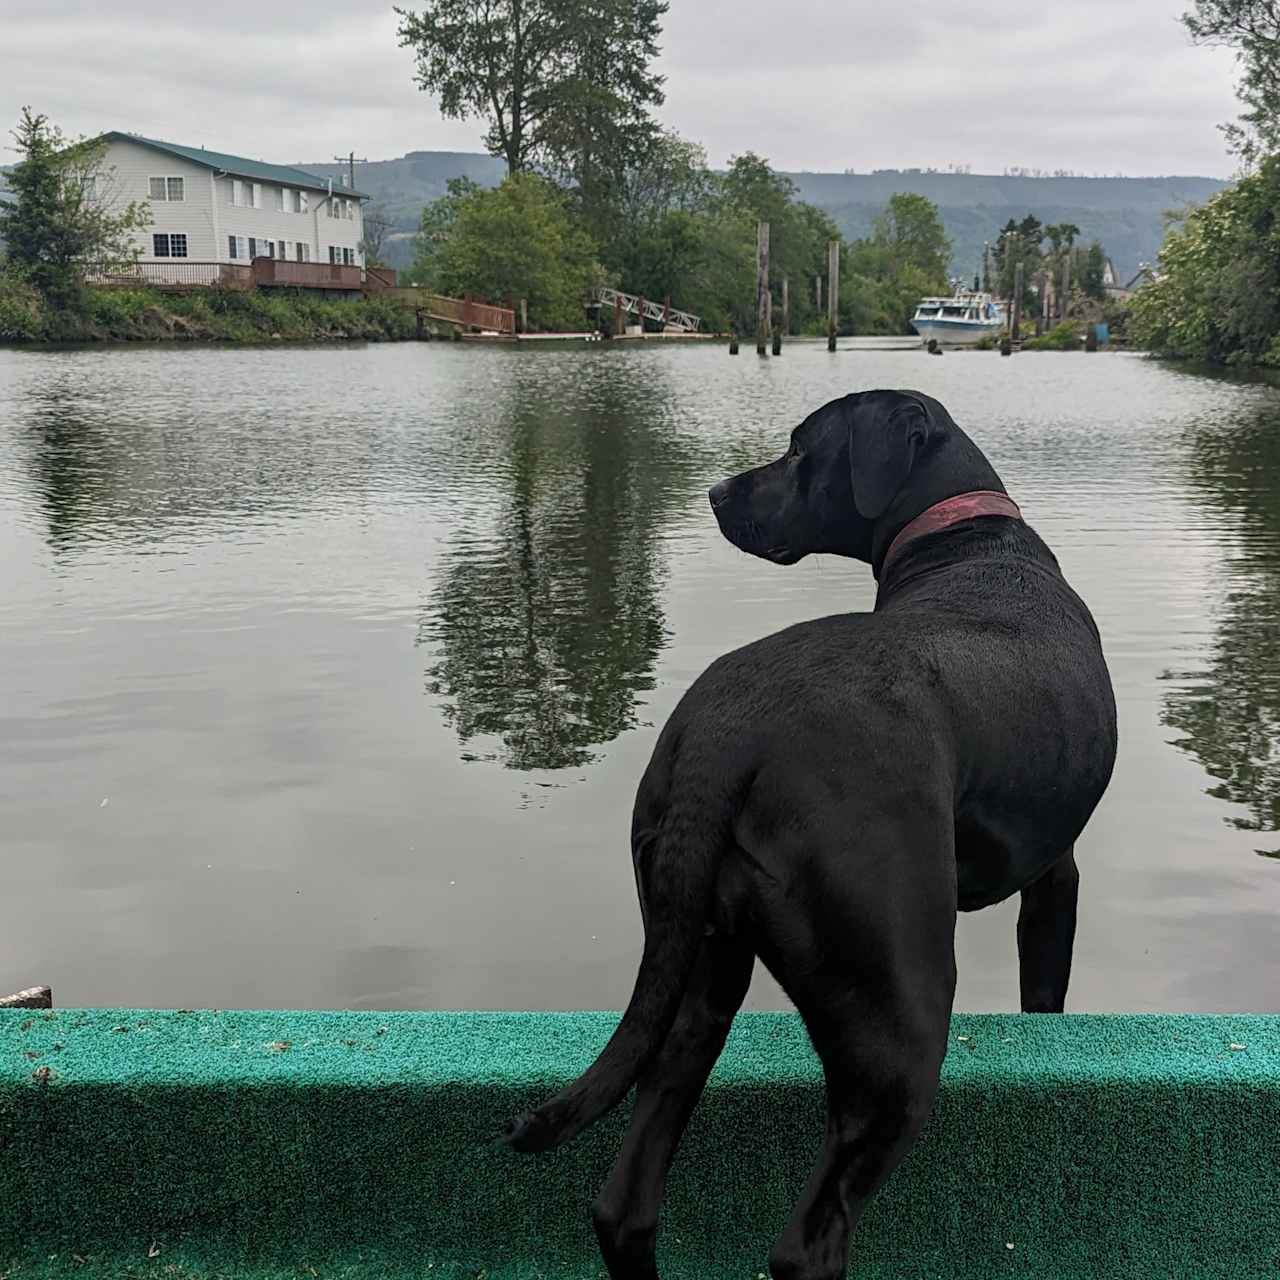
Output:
x,y
241,166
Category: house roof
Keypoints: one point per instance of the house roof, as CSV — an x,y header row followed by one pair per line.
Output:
x,y
241,166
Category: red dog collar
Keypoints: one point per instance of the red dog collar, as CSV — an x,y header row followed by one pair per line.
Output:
x,y
964,506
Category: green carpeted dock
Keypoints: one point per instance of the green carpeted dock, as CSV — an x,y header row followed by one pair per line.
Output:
x,y
137,1143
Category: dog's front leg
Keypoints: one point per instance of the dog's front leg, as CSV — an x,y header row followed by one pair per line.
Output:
x,y
1046,932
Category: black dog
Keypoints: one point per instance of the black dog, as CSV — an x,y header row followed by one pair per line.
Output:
x,y
828,797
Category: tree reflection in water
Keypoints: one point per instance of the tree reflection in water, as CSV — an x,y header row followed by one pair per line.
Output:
x,y
1230,711
547,627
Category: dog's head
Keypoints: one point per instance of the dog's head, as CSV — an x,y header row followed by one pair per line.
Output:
x,y
849,463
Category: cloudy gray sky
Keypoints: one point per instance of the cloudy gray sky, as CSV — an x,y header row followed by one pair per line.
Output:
x,y
1096,86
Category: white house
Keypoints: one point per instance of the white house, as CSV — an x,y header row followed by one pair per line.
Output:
x,y
209,207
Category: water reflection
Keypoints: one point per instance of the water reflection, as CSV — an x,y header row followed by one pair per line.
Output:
x,y
547,624
72,464
1229,711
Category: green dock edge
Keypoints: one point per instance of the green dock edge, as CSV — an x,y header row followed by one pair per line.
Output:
x,y
274,1144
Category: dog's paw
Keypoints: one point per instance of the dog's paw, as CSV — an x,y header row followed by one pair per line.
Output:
x,y
527,1133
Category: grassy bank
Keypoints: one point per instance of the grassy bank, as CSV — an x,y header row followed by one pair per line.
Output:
x,y
210,315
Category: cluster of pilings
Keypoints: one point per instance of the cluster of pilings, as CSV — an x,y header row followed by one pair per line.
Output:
x,y
770,339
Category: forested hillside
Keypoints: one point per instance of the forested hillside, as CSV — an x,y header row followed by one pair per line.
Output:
x,y
1125,214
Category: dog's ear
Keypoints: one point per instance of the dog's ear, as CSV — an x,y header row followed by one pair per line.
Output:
x,y
887,432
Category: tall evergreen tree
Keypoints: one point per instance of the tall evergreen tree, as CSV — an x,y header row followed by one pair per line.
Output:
x,y
63,213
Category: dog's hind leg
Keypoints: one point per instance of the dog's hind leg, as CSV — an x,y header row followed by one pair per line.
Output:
x,y
869,961
626,1211
1046,933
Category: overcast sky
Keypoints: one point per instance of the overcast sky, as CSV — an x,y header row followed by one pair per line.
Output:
x,y
1096,86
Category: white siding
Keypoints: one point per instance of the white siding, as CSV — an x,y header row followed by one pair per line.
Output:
x,y
208,218
267,222
192,216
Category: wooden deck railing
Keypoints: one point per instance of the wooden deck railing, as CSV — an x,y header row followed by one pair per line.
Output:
x,y
278,273
179,273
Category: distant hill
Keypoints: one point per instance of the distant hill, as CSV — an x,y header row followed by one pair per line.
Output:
x,y
1125,214
403,186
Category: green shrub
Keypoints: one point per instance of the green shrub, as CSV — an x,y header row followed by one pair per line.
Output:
x,y
215,314
1062,337
23,315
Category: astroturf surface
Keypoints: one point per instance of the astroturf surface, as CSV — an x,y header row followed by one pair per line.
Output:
x,y
354,1145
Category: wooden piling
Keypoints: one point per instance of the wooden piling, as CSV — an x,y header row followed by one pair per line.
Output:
x,y
1015,313
524,315
786,306
1065,303
817,293
619,318
733,344
833,291
762,288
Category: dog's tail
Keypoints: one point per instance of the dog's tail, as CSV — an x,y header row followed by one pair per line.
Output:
x,y
676,872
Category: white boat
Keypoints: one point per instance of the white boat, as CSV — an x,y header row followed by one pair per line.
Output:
x,y
961,320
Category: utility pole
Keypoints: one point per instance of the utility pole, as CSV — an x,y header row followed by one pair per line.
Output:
x,y
352,160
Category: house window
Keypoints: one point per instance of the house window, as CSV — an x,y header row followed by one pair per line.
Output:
x,y
302,201
282,249
348,257
248,194
278,194
304,252
166,188
333,253
237,247
255,246
169,245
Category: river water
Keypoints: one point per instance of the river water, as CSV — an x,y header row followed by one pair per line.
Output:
x,y
327,674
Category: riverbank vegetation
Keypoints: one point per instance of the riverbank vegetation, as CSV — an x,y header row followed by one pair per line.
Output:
x,y
204,315
684,233
1215,294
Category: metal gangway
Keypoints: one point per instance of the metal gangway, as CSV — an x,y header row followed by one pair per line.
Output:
x,y
645,309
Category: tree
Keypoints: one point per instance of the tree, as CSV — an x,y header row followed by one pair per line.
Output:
x,y
377,225
911,233
883,277
1252,29
1091,269
556,80
433,231
64,212
1019,242
798,233
517,241
1216,294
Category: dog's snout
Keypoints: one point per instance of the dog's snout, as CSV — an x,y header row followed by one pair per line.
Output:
x,y
719,494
